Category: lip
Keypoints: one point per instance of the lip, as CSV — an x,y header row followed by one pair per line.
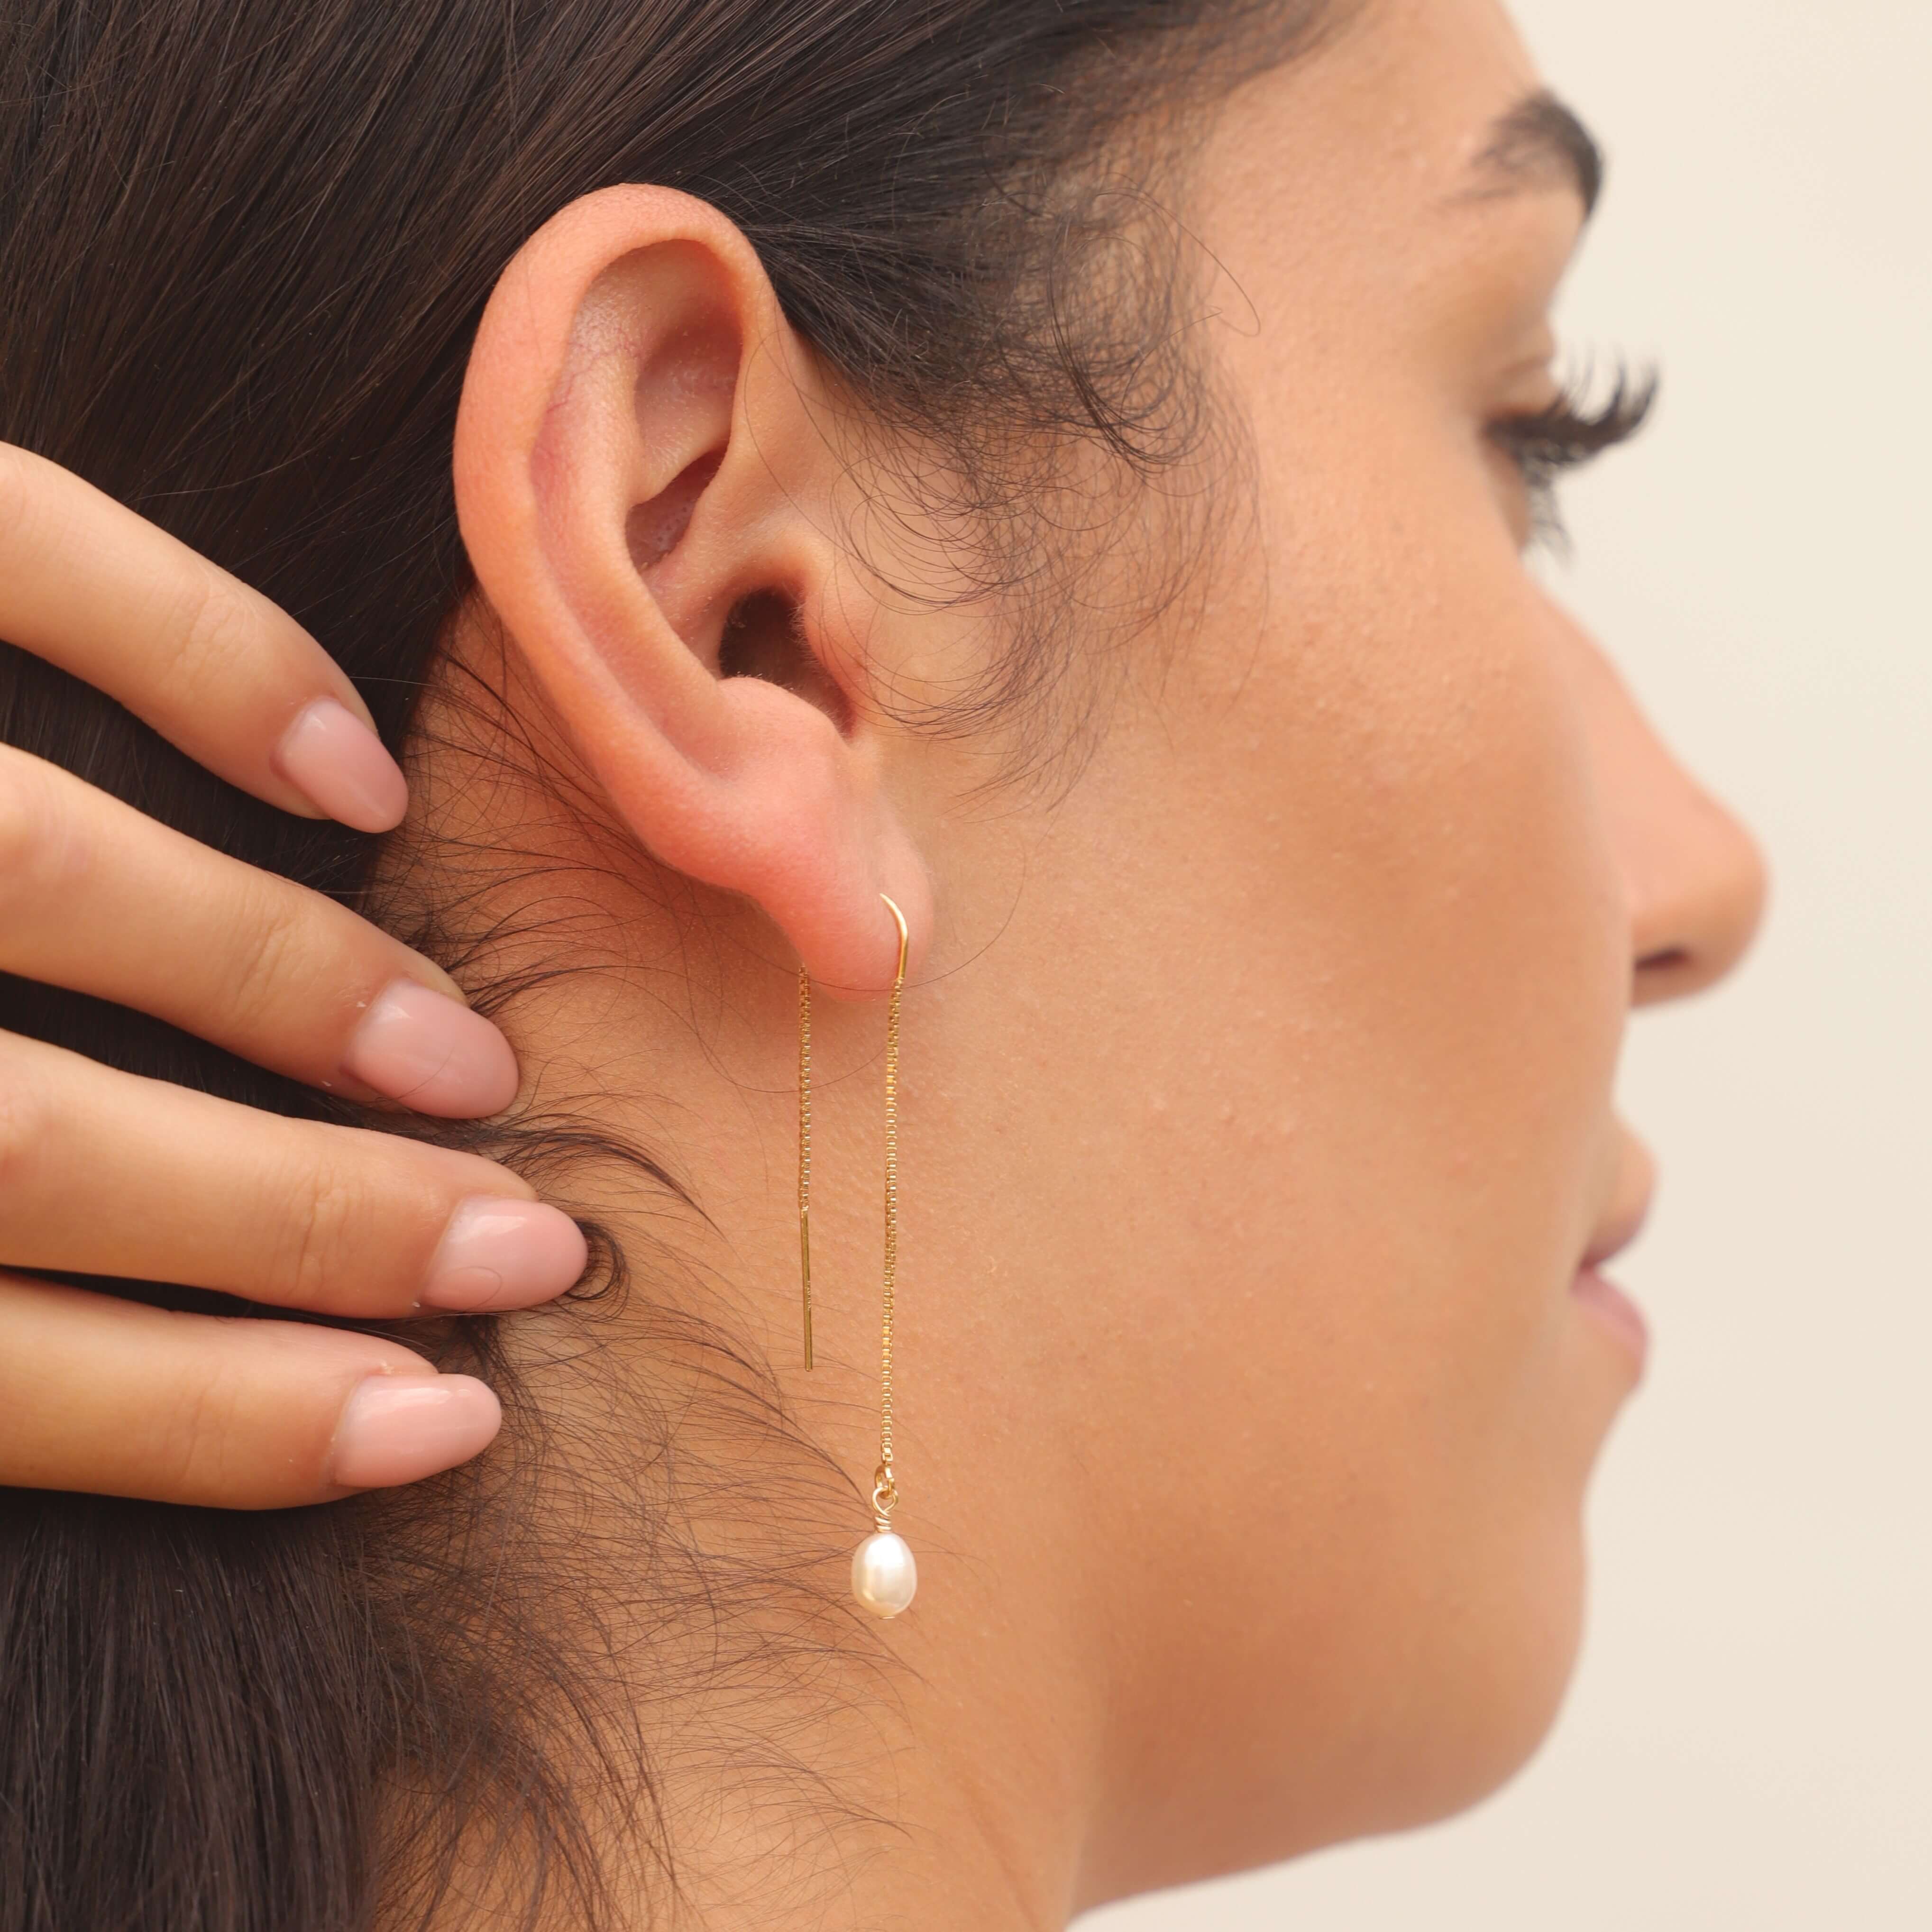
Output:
x,y
1612,1308
1615,1311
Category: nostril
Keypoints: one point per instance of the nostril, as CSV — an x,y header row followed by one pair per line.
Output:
x,y
1667,972
1697,899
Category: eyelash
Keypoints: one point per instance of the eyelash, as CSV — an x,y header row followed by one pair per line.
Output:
x,y
1547,445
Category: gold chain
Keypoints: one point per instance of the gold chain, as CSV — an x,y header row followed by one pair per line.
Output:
x,y
805,1151
885,1492
885,1484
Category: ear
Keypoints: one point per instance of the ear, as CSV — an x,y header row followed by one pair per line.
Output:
x,y
637,463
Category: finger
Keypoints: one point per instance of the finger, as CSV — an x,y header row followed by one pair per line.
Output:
x,y
96,897
291,1213
114,1398
212,665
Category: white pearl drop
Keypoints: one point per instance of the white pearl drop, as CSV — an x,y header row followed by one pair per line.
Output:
x,y
883,1574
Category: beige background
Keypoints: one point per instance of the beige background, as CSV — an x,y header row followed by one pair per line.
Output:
x,y
1749,1742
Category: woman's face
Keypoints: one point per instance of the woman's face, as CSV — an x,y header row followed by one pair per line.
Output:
x,y
1260,1123
1257,1124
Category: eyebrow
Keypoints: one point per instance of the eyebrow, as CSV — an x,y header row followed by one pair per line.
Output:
x,y
1539,142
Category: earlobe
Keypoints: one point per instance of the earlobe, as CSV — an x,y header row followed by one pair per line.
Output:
x,y
637,460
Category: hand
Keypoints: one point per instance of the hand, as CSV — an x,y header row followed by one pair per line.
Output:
x,y
102,1172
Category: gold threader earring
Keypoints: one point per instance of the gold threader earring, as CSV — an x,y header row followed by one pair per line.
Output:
x,y
884,1575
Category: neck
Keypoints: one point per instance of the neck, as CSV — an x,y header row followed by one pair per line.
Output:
x,y
807,1765
818,1768
923,1807
760,1753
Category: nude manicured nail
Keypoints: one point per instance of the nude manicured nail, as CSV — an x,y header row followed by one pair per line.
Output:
x,y
340,765
399,1428
499,1253
432,1054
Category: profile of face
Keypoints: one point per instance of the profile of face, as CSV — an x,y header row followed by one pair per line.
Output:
x,y
1258,1142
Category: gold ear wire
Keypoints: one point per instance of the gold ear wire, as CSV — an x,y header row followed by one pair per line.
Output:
x,y
883,1573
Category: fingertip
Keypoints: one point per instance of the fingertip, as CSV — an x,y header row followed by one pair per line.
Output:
x,y
423,1049
399,1428
341,766
499,1253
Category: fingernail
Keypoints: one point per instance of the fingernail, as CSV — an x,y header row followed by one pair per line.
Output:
x,y
335,760
399,1428
499,1252
432,1054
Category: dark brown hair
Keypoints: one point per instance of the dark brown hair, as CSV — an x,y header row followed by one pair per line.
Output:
x,y
243,246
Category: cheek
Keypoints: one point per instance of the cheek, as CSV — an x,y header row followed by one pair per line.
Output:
x,y
1336,1088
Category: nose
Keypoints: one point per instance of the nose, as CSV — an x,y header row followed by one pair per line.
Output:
x,y
1696,878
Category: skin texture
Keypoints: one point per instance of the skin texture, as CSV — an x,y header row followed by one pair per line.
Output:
x,y
1258,1104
